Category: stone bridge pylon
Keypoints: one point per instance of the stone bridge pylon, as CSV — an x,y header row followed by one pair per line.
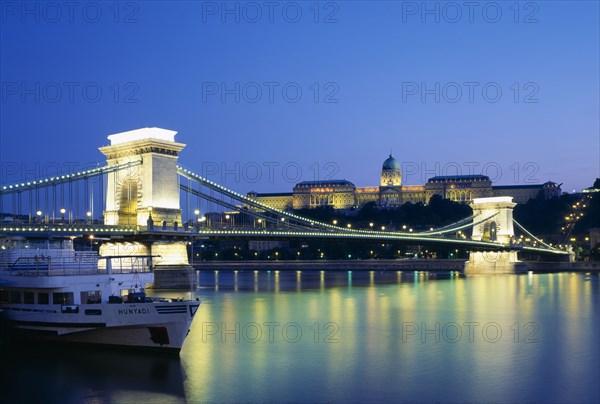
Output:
x,y
498,228
147,188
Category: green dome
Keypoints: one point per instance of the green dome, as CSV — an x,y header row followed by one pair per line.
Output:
x,y
391,164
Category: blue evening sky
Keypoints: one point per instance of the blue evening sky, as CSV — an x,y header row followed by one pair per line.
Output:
x,y
266,94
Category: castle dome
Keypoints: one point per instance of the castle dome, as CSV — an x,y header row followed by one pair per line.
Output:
x,y
391,164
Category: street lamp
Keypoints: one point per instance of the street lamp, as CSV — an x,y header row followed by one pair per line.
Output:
x,y
89,216
197,221
39,215
62,214
334,222
371,225
349,225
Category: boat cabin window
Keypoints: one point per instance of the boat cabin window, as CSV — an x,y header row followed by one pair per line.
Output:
x,y
28,297
91,297
63,298
15,296
43,298
3,296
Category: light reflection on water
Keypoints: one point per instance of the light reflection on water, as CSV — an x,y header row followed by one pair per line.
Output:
x,y
548,324
362,337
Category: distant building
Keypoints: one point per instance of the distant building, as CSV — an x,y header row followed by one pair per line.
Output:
x,y
591,190
523,193
266,245
340,194
343,194
459,188
594,236
277,200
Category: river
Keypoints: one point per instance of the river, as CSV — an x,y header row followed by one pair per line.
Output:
x,y
349,337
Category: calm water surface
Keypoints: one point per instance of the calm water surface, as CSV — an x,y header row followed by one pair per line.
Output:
x,y
349,338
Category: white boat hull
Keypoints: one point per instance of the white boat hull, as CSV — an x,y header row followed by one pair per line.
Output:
x,y
155,326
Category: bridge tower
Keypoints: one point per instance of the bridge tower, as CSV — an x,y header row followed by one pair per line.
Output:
x,y
498,228
144,191
149,188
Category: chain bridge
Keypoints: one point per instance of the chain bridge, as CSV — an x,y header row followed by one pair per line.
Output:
x,y
141,200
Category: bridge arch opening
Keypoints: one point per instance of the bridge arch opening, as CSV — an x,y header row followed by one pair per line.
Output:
x,y
490,230
128,203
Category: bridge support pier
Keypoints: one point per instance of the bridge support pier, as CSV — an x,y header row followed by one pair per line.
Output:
x,y
498,228
494,262
169,261
172,269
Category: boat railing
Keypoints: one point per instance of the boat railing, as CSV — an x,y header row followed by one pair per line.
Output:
x,y
80,263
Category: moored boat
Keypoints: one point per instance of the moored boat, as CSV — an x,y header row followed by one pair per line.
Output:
x,y
49,291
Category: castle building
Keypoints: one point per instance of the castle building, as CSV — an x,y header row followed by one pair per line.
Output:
x,y
523,193
459,188
343,194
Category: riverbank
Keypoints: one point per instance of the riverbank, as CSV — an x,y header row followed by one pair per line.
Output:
x,y
432,265
552,267
337,265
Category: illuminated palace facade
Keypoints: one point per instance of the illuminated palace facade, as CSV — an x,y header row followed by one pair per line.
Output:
x,y
343,194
